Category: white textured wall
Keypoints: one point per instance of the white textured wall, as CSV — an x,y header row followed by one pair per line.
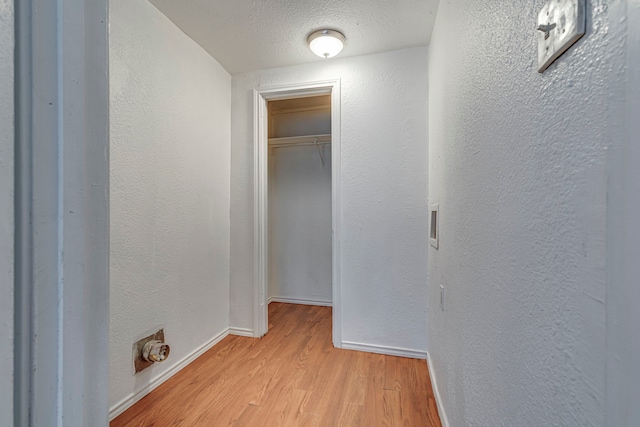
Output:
x,y
384,193
6,213
170,159
518,166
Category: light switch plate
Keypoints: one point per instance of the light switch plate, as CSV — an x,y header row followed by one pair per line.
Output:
x,y
560,24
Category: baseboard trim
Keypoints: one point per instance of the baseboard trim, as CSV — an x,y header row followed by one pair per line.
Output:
x,y
130,400
241,332
390,351
300,301
436,391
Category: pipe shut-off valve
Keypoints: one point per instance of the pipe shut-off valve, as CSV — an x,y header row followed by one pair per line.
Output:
x,y
155,351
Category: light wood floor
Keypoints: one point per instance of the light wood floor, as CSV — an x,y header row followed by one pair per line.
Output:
x,y
291,377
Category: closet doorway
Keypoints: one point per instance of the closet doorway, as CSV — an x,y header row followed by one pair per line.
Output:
x,y
297,211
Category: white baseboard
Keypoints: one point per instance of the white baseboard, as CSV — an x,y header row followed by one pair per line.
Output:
x,y
390,351
300,301
130,400
436,392
241,332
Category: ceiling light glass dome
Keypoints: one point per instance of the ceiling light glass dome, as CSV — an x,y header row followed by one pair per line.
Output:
x,y
326,43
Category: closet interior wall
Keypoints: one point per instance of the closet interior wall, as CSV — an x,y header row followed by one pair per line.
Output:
x,y
300,201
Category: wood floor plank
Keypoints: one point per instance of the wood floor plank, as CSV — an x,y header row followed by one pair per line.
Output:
x,y
264,382
392,374
392,408
293,376
248,416
351,414
374,408
432,412
358,379
292,414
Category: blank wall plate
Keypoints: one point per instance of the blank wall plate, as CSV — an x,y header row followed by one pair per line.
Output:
x,y
560,24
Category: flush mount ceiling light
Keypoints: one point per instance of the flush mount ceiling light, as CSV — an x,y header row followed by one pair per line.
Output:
x,y
326,43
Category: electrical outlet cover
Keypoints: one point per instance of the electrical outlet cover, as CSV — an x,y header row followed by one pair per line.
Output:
x,y
560,24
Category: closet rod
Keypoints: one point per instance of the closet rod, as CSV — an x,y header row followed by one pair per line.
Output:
x,y
297,144
300,140
297,141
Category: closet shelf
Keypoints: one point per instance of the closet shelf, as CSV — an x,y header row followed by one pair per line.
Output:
x,y
322,139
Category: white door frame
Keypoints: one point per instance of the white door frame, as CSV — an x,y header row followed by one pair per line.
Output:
x,y
61,213
260,173
623,232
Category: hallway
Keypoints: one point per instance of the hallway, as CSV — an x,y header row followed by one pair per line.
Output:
x,y
484,206
293,376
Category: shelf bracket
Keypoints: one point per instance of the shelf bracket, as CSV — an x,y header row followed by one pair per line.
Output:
x,y
320,150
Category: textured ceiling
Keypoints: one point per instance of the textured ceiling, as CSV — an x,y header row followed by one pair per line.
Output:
x,y
247,35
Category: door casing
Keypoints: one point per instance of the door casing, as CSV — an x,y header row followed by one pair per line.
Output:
x,y
261,244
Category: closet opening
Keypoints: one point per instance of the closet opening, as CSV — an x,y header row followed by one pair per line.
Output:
x,y
299,201
297,238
